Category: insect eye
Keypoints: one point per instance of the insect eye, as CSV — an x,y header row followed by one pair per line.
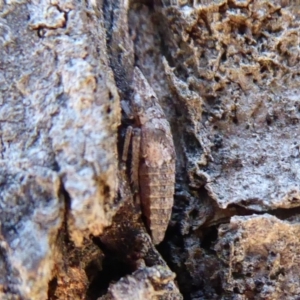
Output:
x,y
152,101
138,110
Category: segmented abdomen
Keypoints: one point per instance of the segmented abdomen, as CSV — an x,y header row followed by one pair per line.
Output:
x,y
157,192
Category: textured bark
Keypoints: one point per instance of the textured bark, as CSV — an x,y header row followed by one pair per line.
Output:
x,y
227,76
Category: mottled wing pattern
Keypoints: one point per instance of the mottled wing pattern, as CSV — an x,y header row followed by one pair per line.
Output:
x,y
157,160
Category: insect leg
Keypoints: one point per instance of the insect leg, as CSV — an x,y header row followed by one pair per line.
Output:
x,y
136,142
126,144
127,109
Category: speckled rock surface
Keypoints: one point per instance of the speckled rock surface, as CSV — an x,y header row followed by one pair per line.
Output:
x,y
148,283
226,73
260,256
65,104
235,66
232,97
31,213
60,111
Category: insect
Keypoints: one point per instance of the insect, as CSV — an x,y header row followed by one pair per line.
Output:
x,y
153,157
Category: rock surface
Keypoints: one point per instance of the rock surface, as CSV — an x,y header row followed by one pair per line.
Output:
x,y
31,215
235,67
147,283
59,111
260,256
227,75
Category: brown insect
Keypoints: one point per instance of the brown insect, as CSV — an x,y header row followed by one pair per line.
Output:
x,y
153,157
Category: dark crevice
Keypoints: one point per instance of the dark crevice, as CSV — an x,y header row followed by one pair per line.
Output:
x,y
108,18
280,213
52,286
166,249
67,201
113,269
63,239
210,236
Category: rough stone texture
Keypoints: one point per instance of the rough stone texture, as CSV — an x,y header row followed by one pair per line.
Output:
x,y
31,212
232,69
119,44
260,256
226,74
128,242
65,105
60,110
76,271
127,237
149,283
235,68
